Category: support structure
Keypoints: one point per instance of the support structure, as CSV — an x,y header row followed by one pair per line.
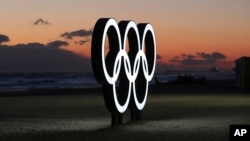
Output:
x,y
116,118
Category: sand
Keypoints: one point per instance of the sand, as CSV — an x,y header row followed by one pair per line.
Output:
x,y
172,113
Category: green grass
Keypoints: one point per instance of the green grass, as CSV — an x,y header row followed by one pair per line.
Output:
x,y
84,117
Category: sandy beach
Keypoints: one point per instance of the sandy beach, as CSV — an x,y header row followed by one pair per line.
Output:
x,y
172,113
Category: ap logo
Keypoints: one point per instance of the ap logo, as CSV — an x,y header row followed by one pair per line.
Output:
x,y
239,132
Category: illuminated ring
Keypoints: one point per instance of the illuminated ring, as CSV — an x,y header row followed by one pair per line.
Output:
x,y
107,68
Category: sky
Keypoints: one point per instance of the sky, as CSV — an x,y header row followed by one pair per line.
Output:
x,y
49,35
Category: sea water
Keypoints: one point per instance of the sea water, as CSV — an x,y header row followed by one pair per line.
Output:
x,y
45,80
56,80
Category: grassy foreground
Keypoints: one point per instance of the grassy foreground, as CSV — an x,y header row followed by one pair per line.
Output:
x,y
84,117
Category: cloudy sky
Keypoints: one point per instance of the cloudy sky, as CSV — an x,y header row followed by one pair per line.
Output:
x,y
49,35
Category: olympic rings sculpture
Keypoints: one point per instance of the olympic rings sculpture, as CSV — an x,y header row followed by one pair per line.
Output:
x,y
129,64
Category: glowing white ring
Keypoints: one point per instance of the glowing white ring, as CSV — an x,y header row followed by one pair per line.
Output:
x,y
140,57
110,23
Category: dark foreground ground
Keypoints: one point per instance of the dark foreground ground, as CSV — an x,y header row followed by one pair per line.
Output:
x,y
172,113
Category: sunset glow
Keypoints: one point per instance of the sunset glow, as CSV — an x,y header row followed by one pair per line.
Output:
x,y
182,27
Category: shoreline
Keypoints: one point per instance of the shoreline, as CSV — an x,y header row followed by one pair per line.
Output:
x,y
211,87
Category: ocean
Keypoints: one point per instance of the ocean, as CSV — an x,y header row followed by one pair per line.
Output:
x,y
49,80
54,80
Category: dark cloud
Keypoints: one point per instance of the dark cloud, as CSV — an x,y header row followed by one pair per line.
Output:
x,y
57,44
204,55
37,57
212,57
218,55
41,22
158,57
192,61
4,38
200,60
162,67
82,42
175,59
190,56
77,33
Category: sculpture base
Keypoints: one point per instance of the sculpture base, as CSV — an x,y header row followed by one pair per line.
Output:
x,y
117,118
